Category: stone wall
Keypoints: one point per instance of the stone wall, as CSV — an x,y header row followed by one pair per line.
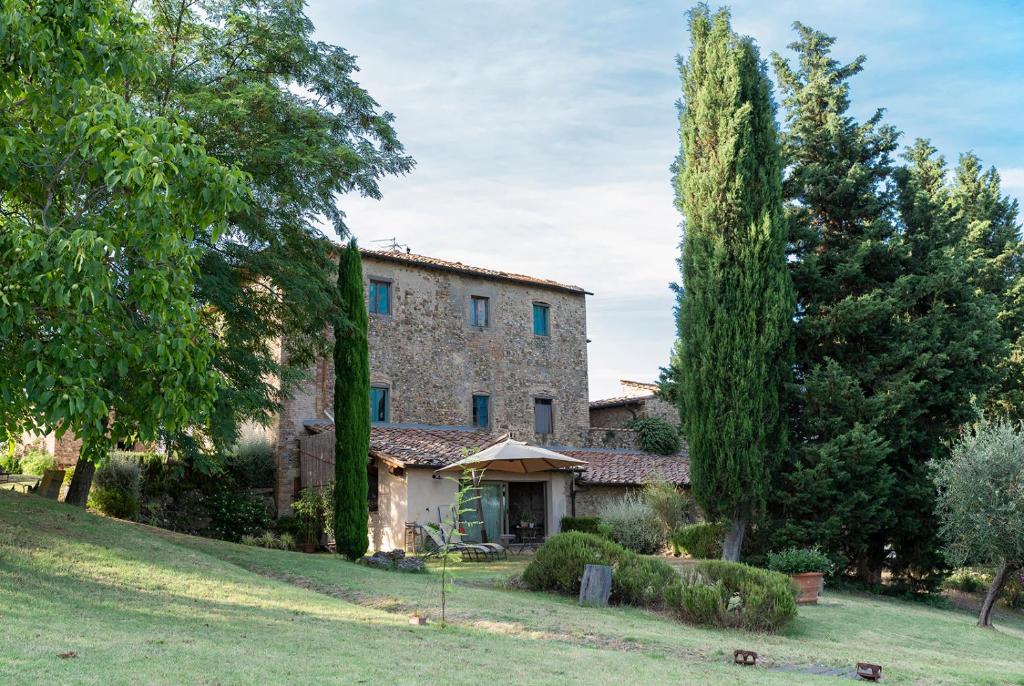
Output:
x,y
590,499
617,416
607,437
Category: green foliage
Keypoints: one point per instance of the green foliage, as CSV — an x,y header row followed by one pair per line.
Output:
x,y
631,522
587,525
981,496
800,561
268,540
100,203
312,510
36,463
1013,591
729,594
968,580
236,514
251,78
702,541
114,502
351,409
655,435
671,505
252,463
558,566
736,300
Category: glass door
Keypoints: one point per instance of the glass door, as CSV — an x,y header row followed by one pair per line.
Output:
x,y
490,501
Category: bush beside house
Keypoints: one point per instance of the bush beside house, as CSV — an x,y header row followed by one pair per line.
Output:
x,y
701,541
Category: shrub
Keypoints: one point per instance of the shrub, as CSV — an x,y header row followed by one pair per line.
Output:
x,y
36,463
9,461
967,580
633,524
800,561
655,435
114,503
1013,591
233,515
701,541
559,563
731,594
587,525
251,464
670,505
268,540
116,486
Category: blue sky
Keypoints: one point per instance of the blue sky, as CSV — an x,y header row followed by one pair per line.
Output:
x,y
543,131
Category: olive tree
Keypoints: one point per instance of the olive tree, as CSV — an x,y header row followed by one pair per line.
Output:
x,y
981,503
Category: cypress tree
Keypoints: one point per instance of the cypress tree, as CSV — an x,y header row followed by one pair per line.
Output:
x,y
736,301
351,409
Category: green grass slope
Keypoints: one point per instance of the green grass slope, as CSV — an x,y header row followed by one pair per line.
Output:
x,y
140,605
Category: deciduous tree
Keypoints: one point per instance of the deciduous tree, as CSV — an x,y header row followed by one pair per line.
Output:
x,y
100,204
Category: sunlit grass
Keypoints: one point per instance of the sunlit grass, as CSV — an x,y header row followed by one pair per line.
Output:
x,y
140,605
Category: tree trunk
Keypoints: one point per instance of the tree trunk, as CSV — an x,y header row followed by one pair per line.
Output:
x,y
733,544
985,616
81,482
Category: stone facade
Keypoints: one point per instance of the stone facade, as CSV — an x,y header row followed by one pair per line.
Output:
x,y
432,361
637,400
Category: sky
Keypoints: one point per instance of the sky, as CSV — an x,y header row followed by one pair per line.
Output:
x,y
543,131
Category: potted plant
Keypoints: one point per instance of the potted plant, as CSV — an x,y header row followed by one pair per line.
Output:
x,y
310,513
527,520
806,567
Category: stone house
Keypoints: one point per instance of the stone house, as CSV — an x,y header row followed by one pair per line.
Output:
x,y
460,358
635,401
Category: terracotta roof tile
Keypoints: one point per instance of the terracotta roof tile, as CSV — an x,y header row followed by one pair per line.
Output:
x,y
458,267
427,446
437,446
629,468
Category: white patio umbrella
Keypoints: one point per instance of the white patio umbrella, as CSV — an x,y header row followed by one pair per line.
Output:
x,y
514,456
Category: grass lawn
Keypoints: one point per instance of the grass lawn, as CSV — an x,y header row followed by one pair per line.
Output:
x,y
141,605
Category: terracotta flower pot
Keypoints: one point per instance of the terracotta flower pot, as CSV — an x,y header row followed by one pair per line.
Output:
x,y
309,547
810,585
418,620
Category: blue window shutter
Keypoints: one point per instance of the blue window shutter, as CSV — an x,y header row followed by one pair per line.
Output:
x,y
481,411
540,319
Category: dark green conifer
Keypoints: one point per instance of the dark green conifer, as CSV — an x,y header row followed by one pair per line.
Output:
x,y
736,301
351,409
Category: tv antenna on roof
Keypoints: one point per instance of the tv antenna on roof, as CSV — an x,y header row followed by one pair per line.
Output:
x,y
393,245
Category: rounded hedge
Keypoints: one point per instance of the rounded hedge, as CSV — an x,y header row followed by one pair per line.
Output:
x,y
730,594
558,566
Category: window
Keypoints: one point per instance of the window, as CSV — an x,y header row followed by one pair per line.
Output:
x,y
380,297
372,487
543,420
481,411
478,314
380,404
541,319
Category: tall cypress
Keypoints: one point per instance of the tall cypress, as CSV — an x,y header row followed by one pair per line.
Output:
x,y
351,409
736,301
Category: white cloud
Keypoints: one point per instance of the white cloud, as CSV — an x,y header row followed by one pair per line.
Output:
x,y
543,131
